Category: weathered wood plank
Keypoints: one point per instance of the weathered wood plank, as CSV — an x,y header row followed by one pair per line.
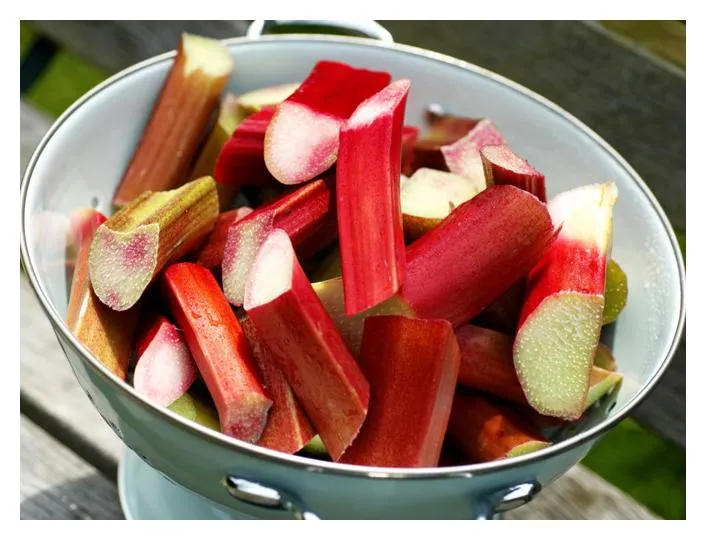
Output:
x,y
55,483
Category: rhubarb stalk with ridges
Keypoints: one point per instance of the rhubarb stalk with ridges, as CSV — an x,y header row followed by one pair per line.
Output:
x,y
131,248
562,313
191,92
303,340
371,239
502,166
220,349
210,254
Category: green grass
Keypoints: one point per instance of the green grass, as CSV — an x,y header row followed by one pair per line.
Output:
x,y
638,462
648,468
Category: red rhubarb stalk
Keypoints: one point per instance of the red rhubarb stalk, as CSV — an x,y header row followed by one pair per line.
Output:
x,y
410,134
302,139
485,430
412,367
241,161
479,251
463,156
307,215
565,290
220,349
371,239
303,340
210,254
288,427
165,368
502,166
443,130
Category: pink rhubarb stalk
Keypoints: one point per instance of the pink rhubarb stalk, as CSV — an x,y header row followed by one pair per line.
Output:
x,y
463,157
210,254
565,290
220,349
371,239
302,139
303,340
412,367
165,369
502,166
488,243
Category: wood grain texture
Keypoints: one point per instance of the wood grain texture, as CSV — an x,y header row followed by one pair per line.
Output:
x,y
55,483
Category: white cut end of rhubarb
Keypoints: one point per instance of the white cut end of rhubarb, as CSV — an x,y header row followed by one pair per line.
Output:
x,y
601,383
585,214
271,274
507,159
166,369
122,264
206,55
255,100
300,143
435,194
242,245
379,104
463,156
554,350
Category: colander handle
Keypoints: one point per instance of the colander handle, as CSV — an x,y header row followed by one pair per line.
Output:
x,y
270,498
364,28
506,499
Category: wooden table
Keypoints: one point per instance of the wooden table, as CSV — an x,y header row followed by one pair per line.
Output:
x,y
69,455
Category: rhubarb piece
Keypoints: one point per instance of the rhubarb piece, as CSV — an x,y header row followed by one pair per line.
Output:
x,y
288,428
169,142
330,292
616,292
293,324
195,410
503,313
487,431
601,382
565,290
444,129
307,215
486,363
429,196
210,254
467,261
502,166
107,334
371,239
302,139
410,134
165,368
604,358
412,367
241,160
463,156
220,349
317,448
131,248
229,116
256,100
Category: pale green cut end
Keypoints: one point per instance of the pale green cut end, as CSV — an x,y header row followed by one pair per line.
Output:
x,y
195,410
616,292
554,352
316,446
527,448
602,382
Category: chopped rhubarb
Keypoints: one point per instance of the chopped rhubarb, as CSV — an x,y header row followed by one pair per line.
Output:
x,y
485,430
210,254
131,248
410,134
601,382
503,313
616,292
220,349
474,255
195,410
429,196
169,142
412,367
288,428
165,369
307,215
302,139
241,160
371,239
293,324
330,292
604,358
562,314
502,166
256,100
107,334
463,156
444,129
